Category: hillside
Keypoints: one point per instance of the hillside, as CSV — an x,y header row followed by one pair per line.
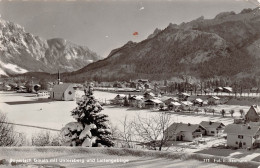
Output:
x,y
23,52
226,46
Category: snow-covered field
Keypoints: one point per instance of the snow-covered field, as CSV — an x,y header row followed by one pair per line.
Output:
x,y
27,109
57,157
22,109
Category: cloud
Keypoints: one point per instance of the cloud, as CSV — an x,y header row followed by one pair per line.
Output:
x,y
142,8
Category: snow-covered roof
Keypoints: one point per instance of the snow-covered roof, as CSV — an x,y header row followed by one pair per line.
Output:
x,y
199,100
175,103
139,97
136,97
175,98
185,94
210,124
187,103
241,129
157,101
61,87
164,98
182,127
154,100
216,97
228,88
121,95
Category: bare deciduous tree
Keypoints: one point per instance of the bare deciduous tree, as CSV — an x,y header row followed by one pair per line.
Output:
x,y
152,130
7,135
127,134
45,138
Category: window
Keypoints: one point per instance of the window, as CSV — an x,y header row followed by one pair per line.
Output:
x,y
236,142
244,143
70,92
213,132
240,136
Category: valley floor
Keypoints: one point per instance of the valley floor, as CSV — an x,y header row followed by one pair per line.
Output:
x,y
27,109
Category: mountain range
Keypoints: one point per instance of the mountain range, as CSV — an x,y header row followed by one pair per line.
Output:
x,y
24,52
225,46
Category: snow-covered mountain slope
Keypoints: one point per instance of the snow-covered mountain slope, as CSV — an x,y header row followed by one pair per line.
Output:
x,y
22,52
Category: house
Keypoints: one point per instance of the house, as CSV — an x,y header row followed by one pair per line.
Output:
x,y
242,136
214,100
43,93
65,91
152,103
136,101
167,100
183,96
149,95
198,101
186,103
253,114
174,105
143,81
158,94
147,86
213,128
218,89
22,89
254,90
119,99
184,132
227,89
7,88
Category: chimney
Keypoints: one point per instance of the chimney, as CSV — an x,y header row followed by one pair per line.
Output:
x,y
188,124
210,123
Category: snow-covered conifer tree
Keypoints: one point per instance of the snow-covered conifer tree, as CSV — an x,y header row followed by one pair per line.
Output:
x,y
91,128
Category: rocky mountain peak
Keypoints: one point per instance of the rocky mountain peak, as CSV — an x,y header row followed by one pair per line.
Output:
x,y
22,50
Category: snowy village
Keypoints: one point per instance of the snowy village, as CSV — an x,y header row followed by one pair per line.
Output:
x,y
186,95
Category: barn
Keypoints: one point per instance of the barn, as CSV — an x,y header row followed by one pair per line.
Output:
x,y
65,91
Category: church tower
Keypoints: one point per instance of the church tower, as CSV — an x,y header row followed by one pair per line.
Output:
x,y
58,77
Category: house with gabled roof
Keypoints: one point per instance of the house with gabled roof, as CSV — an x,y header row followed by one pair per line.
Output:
x,y
183,96
152,103
253,114
149,95
213,128
214,100
184,132
167,100
119,99
136,100
242,135
227,89
65,91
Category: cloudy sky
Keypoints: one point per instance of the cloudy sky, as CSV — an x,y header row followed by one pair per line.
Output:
x,y
108,24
